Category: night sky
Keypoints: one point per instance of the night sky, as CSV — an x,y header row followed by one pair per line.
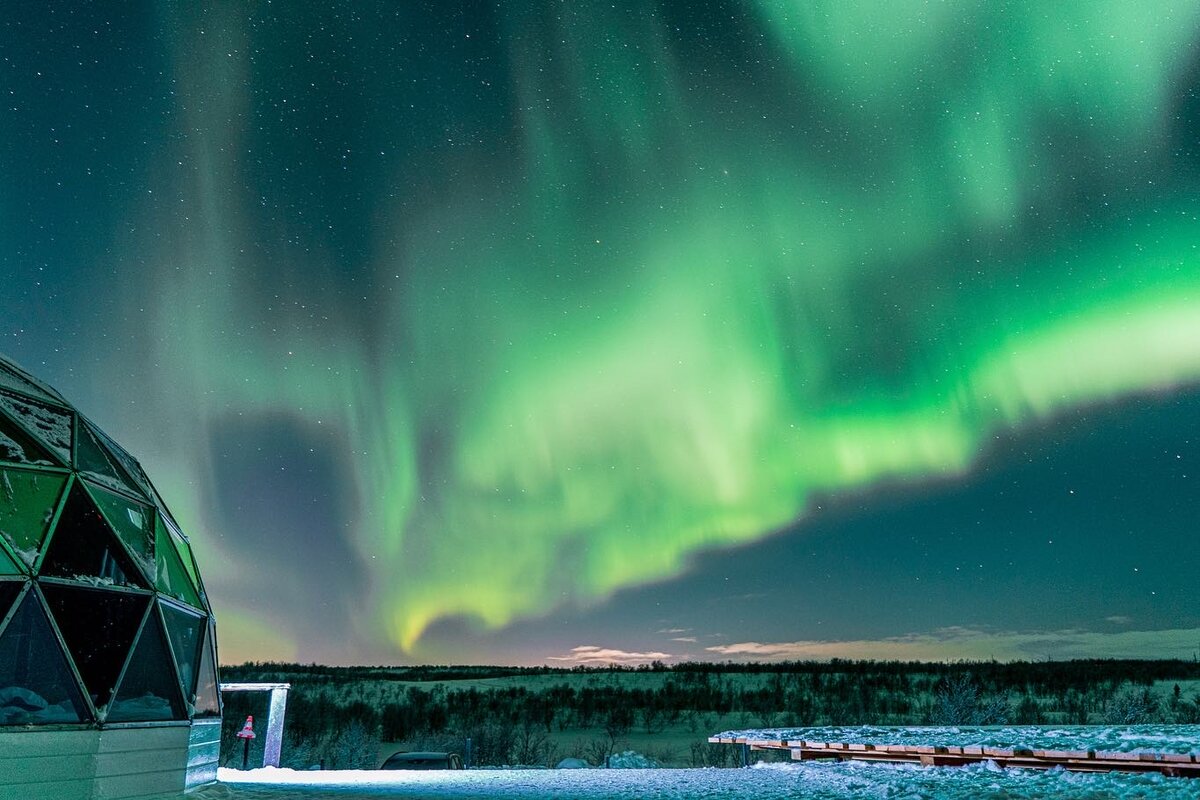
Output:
x,y
572,332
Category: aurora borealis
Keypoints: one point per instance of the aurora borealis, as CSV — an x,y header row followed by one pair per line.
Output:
x,y
486,332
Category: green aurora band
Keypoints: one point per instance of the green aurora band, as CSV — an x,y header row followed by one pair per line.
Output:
x,y
688,291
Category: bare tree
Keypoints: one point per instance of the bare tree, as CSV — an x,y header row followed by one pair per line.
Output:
x,y
1132,707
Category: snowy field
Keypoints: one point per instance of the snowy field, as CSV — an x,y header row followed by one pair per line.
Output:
x,y
1121,739
856,781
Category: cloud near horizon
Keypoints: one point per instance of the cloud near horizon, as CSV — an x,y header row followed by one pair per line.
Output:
x,y
969,644
591,654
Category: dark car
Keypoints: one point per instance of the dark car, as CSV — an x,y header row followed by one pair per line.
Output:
x,y
423,761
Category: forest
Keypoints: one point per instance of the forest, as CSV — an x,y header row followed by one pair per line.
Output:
x,y
352,717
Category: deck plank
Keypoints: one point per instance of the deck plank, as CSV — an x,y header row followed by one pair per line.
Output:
x,y
1172,764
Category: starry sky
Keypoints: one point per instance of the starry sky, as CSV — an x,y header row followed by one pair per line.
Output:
x,y
569,333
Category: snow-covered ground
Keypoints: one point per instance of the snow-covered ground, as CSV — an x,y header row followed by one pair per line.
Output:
x,y
844,781
849,780
1123,739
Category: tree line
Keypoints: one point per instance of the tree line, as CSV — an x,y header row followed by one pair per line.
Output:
x,y
338,715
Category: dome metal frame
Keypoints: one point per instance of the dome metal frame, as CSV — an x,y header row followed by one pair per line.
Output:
x,y
109,624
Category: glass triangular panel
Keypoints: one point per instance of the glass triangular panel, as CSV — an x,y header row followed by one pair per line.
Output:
x,y
27,502
130,468
133,522
99,626
167,516
8,593
208,695
148,690
14,378
8,566
93,461
185,632
49,425
36,684
184,549
84,547
171,578
18,447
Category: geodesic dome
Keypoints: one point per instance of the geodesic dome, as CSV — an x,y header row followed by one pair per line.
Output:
x,y
103,616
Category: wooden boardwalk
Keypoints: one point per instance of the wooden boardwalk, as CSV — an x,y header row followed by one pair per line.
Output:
x,y
1181,765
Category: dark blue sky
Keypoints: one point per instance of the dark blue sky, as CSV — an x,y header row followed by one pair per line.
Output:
x,y
527,332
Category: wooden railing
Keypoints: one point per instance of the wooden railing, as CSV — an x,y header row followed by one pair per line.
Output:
x,y
1172,764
